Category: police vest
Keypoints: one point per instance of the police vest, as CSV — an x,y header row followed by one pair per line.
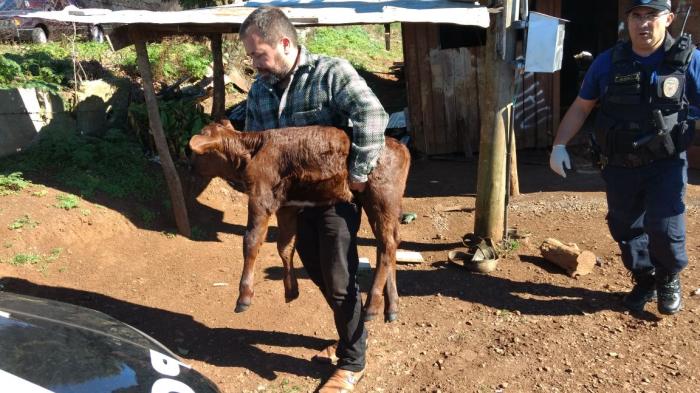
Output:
x,y
643,113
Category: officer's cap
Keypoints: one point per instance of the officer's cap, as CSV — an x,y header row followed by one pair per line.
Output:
x,y
661,5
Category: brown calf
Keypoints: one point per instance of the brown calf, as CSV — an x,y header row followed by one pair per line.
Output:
x,y
285,169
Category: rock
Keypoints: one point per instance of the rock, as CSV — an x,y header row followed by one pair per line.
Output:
x,y
696,292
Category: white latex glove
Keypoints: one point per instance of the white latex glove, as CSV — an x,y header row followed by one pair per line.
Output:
x,y
559,159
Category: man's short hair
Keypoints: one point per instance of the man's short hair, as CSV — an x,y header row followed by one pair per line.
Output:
x,y
271,23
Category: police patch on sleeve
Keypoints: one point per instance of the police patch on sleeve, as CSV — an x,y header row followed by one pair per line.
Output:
x,y
671,86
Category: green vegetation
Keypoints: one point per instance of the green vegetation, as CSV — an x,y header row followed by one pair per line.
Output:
x,y
25,259
147,216
67,201
40,193
181,119
198,233
12,183
113,164
363,46
22,222
30,258
50,66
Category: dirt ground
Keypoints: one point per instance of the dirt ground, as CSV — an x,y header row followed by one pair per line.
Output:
x,y
527,327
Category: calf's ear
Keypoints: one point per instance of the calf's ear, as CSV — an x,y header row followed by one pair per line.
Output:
x,y
201,144
227,124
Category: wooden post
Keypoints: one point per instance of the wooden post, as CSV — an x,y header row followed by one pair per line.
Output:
x,y
218,110
387,36
171,177
497,99
514,181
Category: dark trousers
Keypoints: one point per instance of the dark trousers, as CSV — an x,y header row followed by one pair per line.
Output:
x,y
646,214
327,245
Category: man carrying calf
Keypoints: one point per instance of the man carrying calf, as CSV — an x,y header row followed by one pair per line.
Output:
x,y
296,88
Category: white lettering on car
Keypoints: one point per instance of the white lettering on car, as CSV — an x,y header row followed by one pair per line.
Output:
x,y
165,364
167,385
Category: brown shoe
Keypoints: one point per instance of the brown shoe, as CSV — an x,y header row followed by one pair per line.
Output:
x,y
327,354
342,381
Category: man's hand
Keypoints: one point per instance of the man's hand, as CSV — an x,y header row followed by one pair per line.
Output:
x,y
559,159
359,187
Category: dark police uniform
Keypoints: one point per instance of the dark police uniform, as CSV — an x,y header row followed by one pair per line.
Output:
x,y
643,128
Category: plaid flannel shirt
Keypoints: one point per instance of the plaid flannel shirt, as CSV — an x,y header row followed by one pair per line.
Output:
x,y
324,91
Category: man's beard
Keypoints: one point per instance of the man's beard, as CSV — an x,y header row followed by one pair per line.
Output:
x,y
274,76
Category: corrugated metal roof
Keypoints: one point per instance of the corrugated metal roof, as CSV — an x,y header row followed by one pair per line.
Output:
x,y
302,12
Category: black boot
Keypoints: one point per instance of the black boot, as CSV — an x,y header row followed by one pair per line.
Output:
x,y
644,291
669,288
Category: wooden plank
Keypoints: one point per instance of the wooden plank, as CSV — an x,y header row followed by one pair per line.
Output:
x,y
478,63
423,62
443,100
465,107
218,110
171,176
440,133
453,134
413,82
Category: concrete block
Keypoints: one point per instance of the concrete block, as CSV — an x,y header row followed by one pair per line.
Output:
x,y
23,113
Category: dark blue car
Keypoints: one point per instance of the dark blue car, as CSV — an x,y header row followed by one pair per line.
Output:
x,y
48,346
12,27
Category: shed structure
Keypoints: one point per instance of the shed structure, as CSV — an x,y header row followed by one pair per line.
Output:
x,y
137,27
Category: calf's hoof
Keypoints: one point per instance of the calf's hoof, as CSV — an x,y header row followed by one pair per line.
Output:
x,y
391,317
242,305
291,296
369,316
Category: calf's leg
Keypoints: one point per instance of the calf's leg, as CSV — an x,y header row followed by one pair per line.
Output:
x,y
287,227
255,233
384,223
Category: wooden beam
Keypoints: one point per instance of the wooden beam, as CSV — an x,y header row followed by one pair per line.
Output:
x,y
218,110
497,99
171,177
387,36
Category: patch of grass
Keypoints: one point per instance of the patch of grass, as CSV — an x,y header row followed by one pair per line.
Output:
x,y
171,59
198,233
22,222
113,164
169,234
53,254
287,387
25,259
34,259
67,201
12,183
147,216
41,193
363,46
181,118
85,212
508,246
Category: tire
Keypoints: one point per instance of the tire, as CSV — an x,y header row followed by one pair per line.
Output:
x,y
39,36
97,34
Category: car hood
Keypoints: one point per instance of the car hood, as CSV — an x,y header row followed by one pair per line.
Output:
x,y
50,346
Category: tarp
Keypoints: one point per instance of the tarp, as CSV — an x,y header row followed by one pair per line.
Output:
x,y
304,12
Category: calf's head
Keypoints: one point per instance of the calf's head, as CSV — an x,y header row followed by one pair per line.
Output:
x,y
217,151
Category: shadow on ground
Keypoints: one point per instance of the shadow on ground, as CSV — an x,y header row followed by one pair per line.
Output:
x,y
528,298
224,347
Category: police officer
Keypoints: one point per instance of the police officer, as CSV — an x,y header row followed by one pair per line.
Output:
x,y
649,93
